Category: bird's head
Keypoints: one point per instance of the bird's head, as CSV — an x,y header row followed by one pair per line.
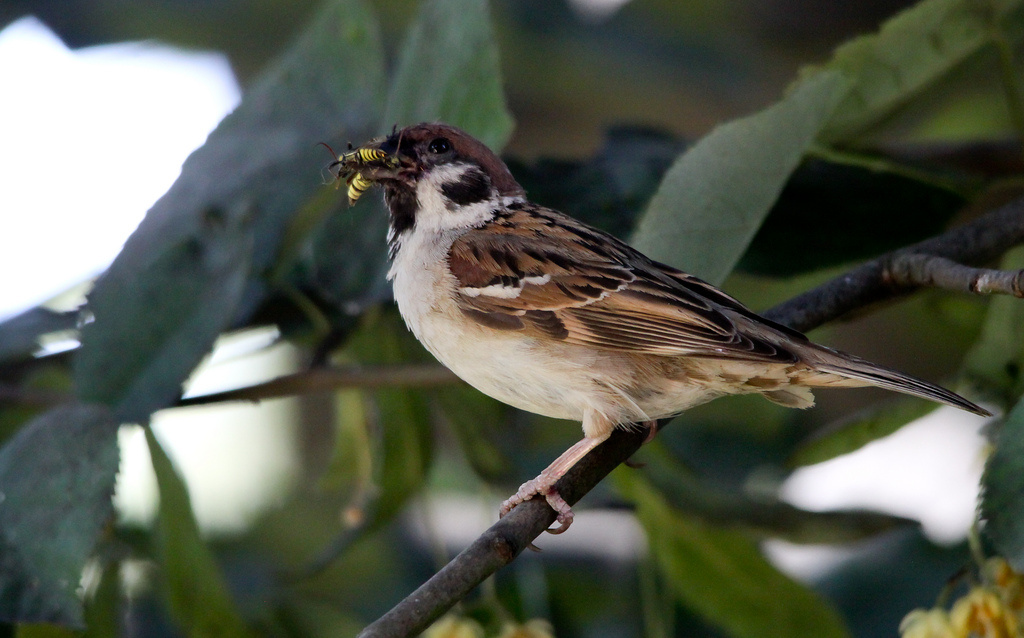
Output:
x,y
444,178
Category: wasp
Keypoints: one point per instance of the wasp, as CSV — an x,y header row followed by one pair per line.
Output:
x,y
363,155
357,185
348,166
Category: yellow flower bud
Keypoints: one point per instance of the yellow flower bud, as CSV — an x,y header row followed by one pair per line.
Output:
x,y
535,628
982,613
1009,583
927,623
452,626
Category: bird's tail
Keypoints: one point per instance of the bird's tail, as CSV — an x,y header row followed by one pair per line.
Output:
x,y
851,367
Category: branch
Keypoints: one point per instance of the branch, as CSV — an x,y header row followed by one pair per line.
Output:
x,y
33,397
319,379
927,270
978,241
502,542
415,375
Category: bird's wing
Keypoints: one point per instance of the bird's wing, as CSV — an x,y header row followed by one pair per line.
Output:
x,y
537,270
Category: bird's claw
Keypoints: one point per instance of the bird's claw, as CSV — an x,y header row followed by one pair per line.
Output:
x,y
565,515
537,486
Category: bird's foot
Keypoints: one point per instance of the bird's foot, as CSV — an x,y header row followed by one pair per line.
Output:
x,y
545,483
542,485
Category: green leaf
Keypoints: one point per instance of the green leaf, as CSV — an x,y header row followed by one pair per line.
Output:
x,y
103,608
56,482
720,574
180,279
449,71
870,425
714,198
198,597
910,53
334,81
156,314
1002,501
327,87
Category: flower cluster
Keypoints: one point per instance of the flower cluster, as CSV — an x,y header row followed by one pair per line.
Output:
x,y
453,626
993,609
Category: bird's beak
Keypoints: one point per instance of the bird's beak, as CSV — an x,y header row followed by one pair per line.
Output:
x,y
376,161
390,166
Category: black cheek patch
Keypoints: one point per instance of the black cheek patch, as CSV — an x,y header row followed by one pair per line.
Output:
x,y
473,187
402,205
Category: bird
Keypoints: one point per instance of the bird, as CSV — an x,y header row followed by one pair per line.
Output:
x,y
550,315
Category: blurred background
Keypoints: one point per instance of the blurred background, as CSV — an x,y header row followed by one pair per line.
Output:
x,y
104,99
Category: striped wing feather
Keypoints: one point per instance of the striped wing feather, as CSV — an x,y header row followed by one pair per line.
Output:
x,y
533,269
539,271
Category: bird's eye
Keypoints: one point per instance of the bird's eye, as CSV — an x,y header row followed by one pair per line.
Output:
x,y
439,145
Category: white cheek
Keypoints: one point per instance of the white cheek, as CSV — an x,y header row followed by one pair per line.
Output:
x,y
436,213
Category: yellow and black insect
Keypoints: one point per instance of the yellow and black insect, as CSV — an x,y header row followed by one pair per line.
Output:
x,y
348,166
357,185
362,156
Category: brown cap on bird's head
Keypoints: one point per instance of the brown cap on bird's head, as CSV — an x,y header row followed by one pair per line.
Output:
x,y
424,145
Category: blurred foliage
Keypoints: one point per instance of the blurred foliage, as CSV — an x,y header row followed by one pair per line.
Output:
x,y
721,573
56,483
898,134
196,593
719,192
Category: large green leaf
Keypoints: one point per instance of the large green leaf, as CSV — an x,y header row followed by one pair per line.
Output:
x,y
714,198
448,70
56,482
612,186
913,51
1002,501
197,594
721,574
156,315
180,279
718,193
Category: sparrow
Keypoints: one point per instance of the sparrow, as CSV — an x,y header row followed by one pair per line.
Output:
x,y
555,317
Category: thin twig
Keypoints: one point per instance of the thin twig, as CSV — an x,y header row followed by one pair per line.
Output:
x,y
978,241
320,379
33,397
908,270
426,375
